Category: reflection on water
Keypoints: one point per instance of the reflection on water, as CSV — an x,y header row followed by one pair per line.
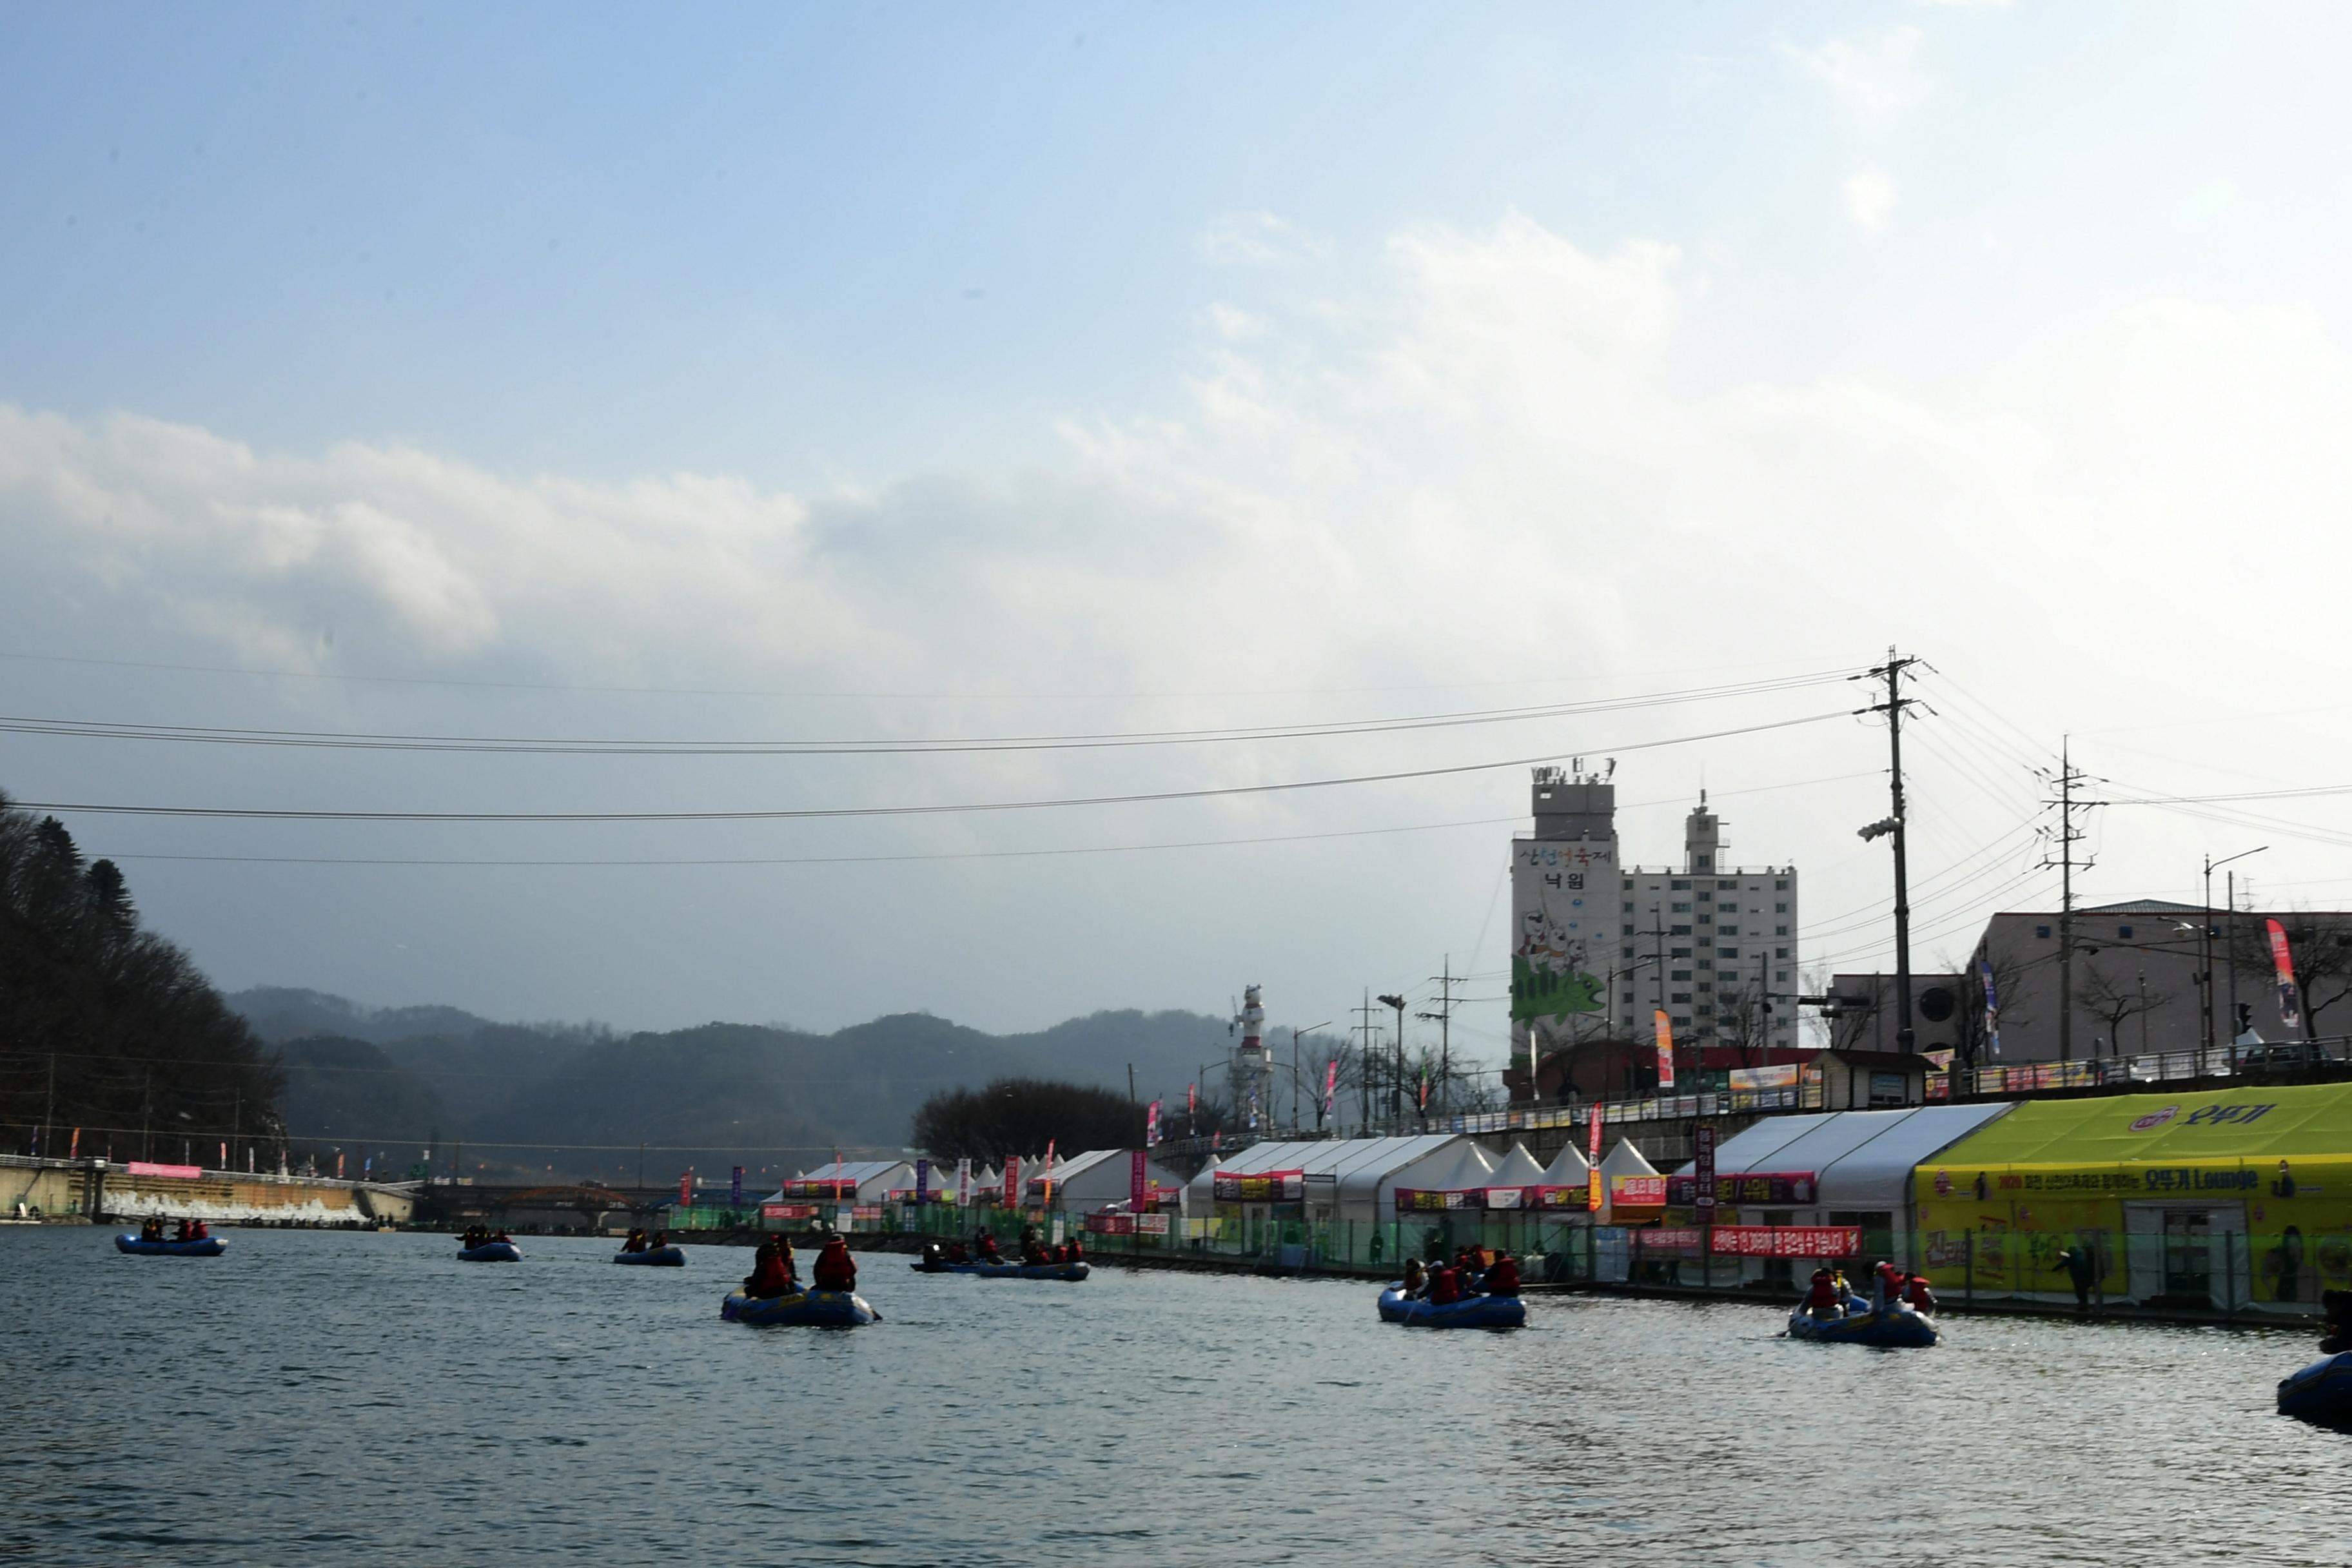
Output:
x,y
362,1399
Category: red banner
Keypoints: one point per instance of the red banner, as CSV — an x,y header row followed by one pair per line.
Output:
x,y
1139,1180
1666,1030
1257,1186
1012,1180
686,1188
1638,1191
178,1172
1788,1240
788,1211
1111,1223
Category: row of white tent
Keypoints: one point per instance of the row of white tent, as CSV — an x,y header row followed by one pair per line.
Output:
x,y
1860,1162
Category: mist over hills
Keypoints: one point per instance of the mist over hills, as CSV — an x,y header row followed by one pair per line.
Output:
x,y
577,1100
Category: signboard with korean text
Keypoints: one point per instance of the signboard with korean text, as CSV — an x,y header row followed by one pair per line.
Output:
x,y
1258,1187
1792,1187
1703,1173
1638,1191
1788,1240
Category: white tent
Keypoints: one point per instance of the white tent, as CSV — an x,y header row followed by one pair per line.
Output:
x,y
1088,1181
860,1180
1341,1178
1568,1168
1859,1162
1517,1169
1626,1161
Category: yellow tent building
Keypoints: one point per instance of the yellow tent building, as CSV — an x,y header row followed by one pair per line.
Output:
x,y
2227,1199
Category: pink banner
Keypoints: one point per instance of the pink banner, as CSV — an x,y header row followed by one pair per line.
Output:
x,y
178,1172
1666,1031
1111,1223
1139,1180
1639,1192
1788,1241
1012,1180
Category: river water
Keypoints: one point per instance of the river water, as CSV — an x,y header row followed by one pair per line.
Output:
x,y
361,1399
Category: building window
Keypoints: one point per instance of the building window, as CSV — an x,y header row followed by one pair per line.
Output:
x,y
1679,952
1731,909
1780,931
1780,909
1629,998
1629,906
1707,984
1678,931
1727,952
1682,909
1781,884
1707,964
1702,862
1682,1021
2042,930
1680,974
1629,955
2125,933
1682,996
1726,930
1779,953
1680,885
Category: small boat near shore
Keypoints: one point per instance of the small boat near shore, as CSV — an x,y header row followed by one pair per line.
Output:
x,y
654,1257
1072,1272
2321,1393
1470,1313
206,1247
491,1252
1898,1328
807,1309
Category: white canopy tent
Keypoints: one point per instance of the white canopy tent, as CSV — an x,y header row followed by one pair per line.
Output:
x,y
865,1181
1517,1169
1343,1178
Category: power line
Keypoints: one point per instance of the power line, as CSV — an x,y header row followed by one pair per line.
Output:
x,y
801,813
224,735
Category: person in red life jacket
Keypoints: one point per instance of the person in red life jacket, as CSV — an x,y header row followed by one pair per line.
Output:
x,y
1445,1286
1032,1247
201,1231
1885,1286
958,1252
1075,1252
1416,1278
987,1248
1916,1292
834,1269
1822,1299
1502,1276
772,1271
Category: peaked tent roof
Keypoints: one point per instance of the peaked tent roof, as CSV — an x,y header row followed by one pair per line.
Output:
x,y
1626,1161
1517,1169
1343,1160
1568,1168
1455,1169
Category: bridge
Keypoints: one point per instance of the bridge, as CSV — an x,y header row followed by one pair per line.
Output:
x,y
540,1206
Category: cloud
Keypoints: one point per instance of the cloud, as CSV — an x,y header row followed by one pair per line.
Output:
x,y
1257,239
1870,199
1874,76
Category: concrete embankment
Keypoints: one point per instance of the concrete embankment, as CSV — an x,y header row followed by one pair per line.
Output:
x,y
81,1192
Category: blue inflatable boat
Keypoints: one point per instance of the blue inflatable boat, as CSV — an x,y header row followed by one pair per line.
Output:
x,y
491,1252
654,1257
1470,1313
210,1246
1073,1272
2321,1393
1898,1328
811,1309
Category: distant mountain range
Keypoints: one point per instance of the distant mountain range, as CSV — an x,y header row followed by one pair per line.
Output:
x,y
576,1101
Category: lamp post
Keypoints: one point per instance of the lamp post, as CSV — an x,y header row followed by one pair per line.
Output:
x,y
2210,863
1295,1032
1396,1094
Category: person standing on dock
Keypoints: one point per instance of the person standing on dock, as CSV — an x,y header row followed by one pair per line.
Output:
x,y
2081,1269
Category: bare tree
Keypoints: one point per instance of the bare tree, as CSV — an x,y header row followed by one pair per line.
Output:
x,y
1743,1018
2115,1000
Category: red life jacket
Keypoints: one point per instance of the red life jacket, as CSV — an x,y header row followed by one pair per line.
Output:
x,y
1823,1292
1503,1277
1446,1288
771,1276
1921,1299
834,1269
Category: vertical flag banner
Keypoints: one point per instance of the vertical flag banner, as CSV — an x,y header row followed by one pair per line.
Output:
x,y
1139,1183
2290,999
735,1189
73,1150
963,1181
1665,1028
1425,1091
1012,1180
1192,1105
1992,1007
1593,1142
1703,1172
1253,1112
1151,1126
223,1164
922,1182
339,1164
686,1188
1330,1084
1049,1172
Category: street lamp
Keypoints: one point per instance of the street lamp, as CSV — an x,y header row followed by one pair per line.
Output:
x,y
1396,1094
1295,1032
2210,863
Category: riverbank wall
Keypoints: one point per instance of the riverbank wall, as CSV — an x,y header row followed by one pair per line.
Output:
x,y
84,1192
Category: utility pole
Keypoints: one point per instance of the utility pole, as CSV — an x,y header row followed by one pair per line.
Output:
x,y
48,1113
2067,805
1892,673
1364,1059
1445,1017
1130,1083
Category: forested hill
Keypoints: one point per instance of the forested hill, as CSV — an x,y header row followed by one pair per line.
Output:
x,y
578,1099
109,1028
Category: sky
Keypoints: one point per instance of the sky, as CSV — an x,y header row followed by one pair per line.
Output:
x,y
893,375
